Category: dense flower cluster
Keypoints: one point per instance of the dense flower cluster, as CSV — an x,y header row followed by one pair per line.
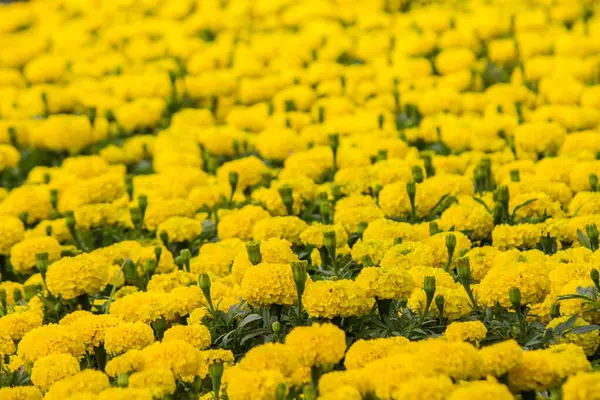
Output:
x,y
312,199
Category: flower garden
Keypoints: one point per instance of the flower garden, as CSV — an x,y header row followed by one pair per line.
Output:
x,y
299,199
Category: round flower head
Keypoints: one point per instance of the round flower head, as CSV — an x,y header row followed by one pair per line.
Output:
x,y
127,336
386,283
434,388
13,232
266,284
47,340
117,393
318,344
182,358
53,368
23,254
472,331
71,277
131,361
330,299
88,380
481,390
272,356
247,385
180,229
363,352
241,222
582,386
288,228
159,380
197,335
21,393
499,358
408,254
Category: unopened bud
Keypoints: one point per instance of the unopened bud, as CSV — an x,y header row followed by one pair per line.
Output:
x,y
337,191
286,194
123,380
164,238
514,295
434,228
417,173
555,310
24,217
397,241
233,181
253,249
329,239
463,269
129,186
150,266
595,277
429,286
309,393
17,295
592,232
186,255
411,190
281,392
451,243
215,371
515,176
54,198
593,182
299,274
360,229
41,263
204,283
130,271
157,253
439,303
30,291
334,142
48,230
276,327
143,203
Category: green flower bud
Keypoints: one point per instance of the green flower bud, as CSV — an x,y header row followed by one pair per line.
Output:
x,y
150,266
253,249
439,303
360,229
276,327
290,105
186,255
287,198
594,182
555,310
429,286
41,263
514,295
309,393
129,186
450,243
434,228
329,239
592,233
429,168
397,241
204,283
417,173
281,392
130,271
123,380
17,295
233,181
48,230
143,204
54,198
158,252
337,191
515,175
595,277
164,238
299,273
334,143
411,190
24,217
3,297
215,371
463,269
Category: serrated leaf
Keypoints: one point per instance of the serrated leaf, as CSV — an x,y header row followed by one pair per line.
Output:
x,y
250,318
584,329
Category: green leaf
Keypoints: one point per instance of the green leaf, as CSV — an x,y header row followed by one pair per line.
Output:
x,y
583,239
250,318
584,329
524,204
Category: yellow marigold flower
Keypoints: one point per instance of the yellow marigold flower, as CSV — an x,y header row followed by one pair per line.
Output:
x,y
180,229
589,342
139,306
394,200
49,339
288,228
249,170
480,260
363,352
248,385
59,229
356,378
530,277
158,380
209,357
272,251
350,217
197,335
387,229
88,380
267,284
197,315
272,356
73,276
585,203
13,232
130,361
180,302
318,344
53,368
95,216
167,282
473,218
20,393
471,331
277,144
545,369
499,358
240,223
582,386
343,392
141,254
453,60
182,358
159,211
313,235
374,249
15,326
329,299
481,390
407,254
385,283
425,388
23,254
117,393
91,328
10,287
216,258
32,199
456,302
521,235
442,278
